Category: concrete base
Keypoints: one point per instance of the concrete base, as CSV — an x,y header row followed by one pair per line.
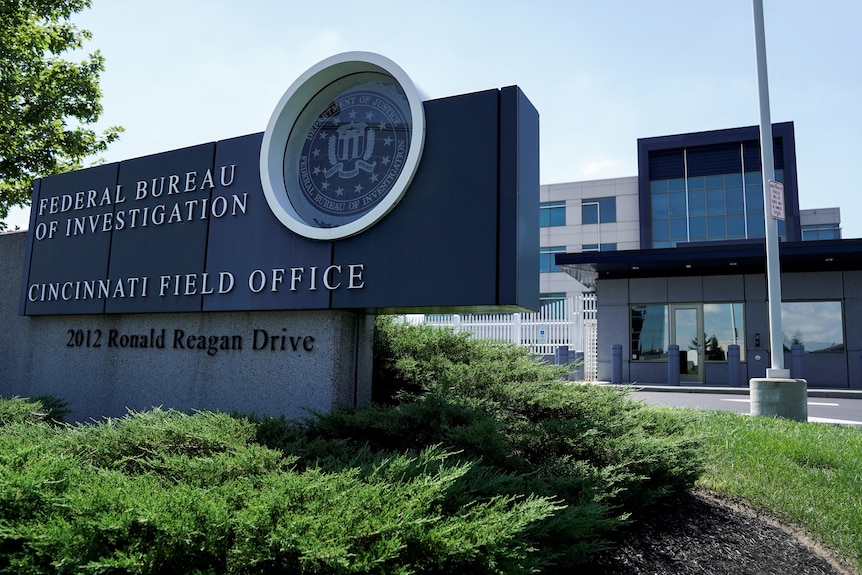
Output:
x,y
774,397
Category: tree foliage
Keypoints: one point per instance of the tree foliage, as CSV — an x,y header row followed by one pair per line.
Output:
x,y
46,101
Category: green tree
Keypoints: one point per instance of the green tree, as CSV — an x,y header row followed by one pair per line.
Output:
x,y
46,102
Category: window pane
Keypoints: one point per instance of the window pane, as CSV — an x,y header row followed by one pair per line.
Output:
x,y
649,332
715,201
546,259
607,210
736,227
609,247
678,229
552,214
658,186
697,229
716,228
754,198
752,178
724,325
677,204
715,181
696,183
677,184
659,206
817,325
733,179
558,217
589,213
697,203
660,230
733,199
756,225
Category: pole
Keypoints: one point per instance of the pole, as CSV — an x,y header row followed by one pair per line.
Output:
x,y
773,267
777,394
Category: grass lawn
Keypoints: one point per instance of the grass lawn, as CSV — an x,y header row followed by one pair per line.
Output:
x,y
809,474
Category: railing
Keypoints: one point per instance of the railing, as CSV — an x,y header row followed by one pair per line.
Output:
x,y
569,323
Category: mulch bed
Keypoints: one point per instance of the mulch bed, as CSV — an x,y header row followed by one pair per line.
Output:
x,y
704,534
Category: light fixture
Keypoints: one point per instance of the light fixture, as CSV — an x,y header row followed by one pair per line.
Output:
x,y
830,259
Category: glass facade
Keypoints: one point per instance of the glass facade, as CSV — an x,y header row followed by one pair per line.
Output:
x,y
709,208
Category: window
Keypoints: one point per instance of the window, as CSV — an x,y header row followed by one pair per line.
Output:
x,y
817,325
649,324
709,208
599,248
546,258
553,304
549,298
821,232
723,325
552,214
598,210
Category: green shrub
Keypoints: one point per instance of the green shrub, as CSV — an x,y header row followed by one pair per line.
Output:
x,y
165,492
46,408
526,430
477,459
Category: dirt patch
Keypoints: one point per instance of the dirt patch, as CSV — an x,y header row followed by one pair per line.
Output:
x,y
705,534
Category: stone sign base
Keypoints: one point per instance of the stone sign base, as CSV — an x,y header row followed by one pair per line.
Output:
x,y
263,363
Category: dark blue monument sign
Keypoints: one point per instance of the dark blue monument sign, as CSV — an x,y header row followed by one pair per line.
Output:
x,y
358,198
195,229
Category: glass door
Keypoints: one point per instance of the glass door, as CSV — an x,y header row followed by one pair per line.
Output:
x,y
687,333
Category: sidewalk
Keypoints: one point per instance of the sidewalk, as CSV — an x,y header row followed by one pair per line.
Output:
x,y
696,388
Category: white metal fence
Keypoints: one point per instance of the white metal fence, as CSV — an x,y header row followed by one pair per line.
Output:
x,y
569,323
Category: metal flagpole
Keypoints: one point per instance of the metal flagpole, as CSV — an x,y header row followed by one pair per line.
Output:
x,y
777,394
773,269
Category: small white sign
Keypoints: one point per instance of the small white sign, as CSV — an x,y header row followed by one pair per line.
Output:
x,y
776,200
543,335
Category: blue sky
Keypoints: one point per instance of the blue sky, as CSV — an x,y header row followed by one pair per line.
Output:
x,y
601,74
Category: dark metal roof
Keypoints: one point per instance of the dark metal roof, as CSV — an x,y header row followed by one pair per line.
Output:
x,y
725,258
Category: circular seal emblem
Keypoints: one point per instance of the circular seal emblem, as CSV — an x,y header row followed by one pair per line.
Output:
x,y
342,146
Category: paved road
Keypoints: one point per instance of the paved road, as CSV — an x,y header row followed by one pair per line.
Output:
x,y
820,409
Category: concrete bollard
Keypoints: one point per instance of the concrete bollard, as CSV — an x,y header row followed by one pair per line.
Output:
x,y
617,363
733,379
673,365
775,397
797,354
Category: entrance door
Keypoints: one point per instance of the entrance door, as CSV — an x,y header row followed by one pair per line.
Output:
x,y
687,333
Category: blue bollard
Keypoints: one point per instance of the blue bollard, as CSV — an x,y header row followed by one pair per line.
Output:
x,y
673,365
733,379
617,363
797,353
